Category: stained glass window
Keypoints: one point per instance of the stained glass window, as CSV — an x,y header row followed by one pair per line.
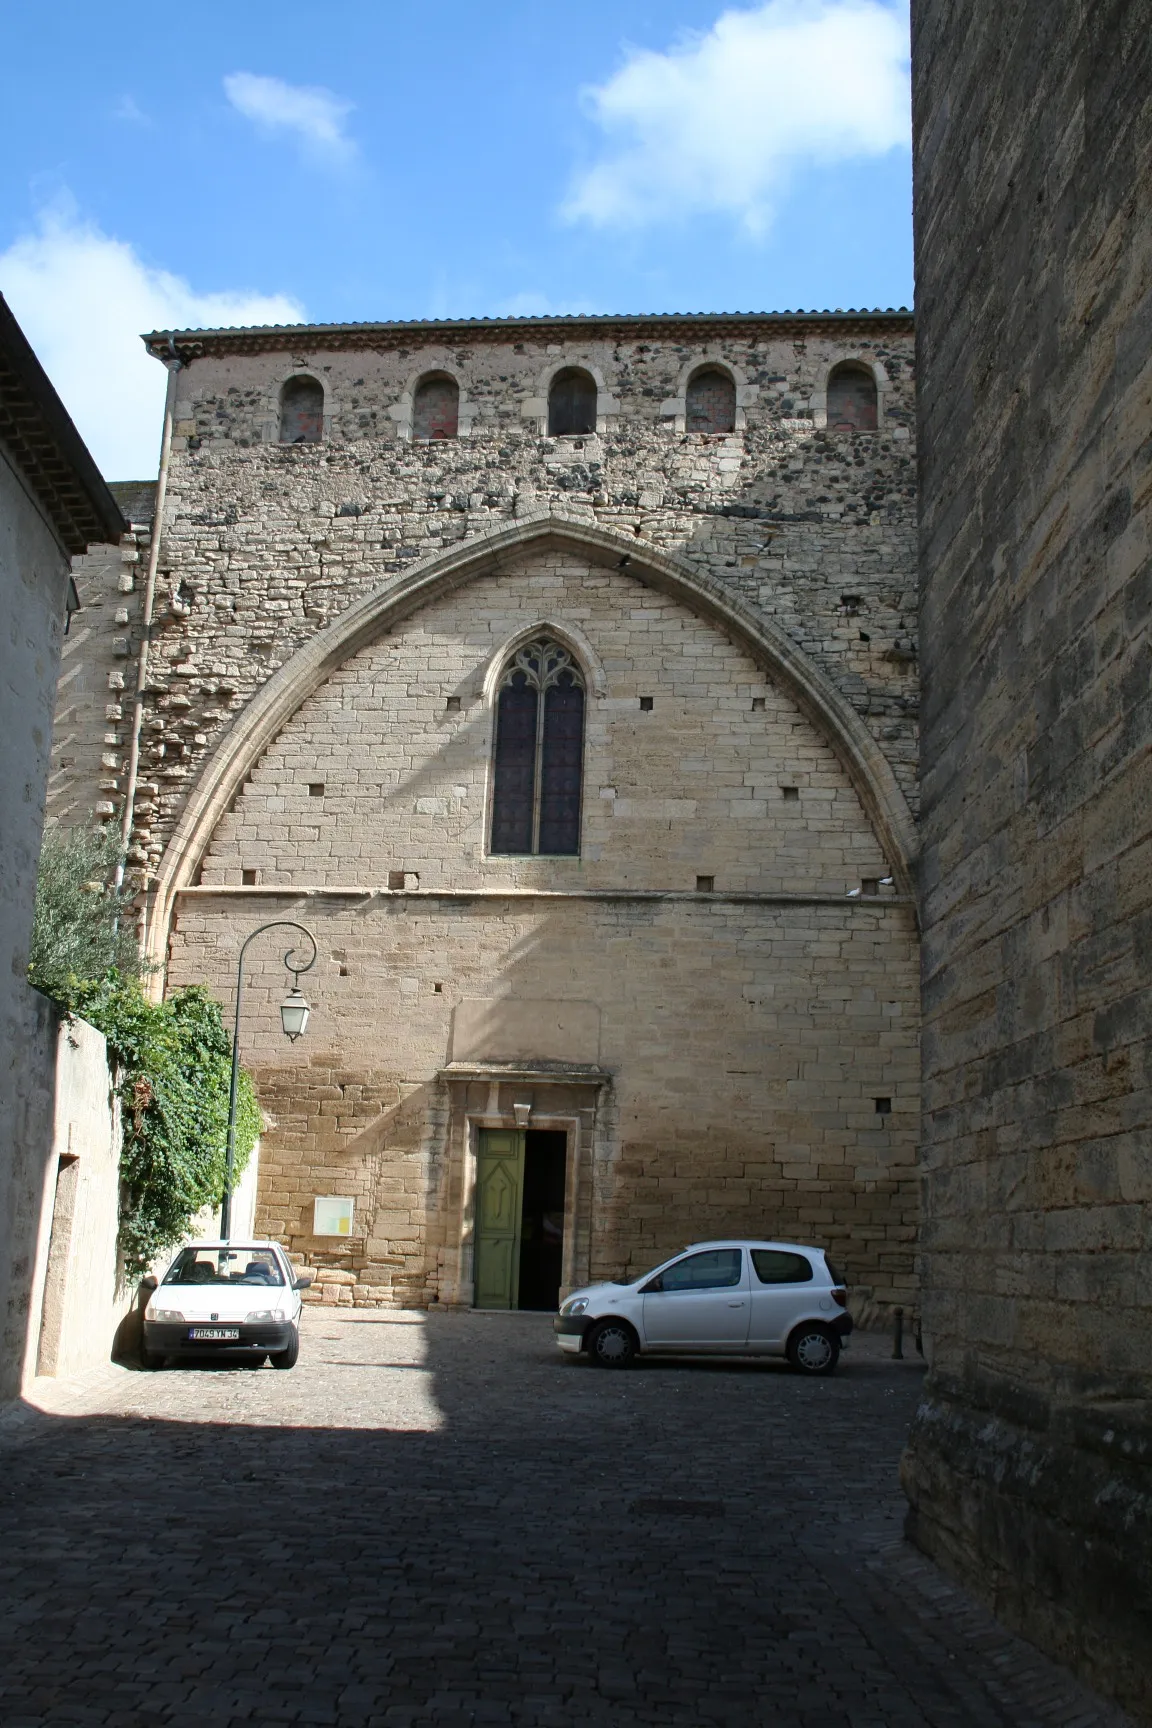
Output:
x,y
539,753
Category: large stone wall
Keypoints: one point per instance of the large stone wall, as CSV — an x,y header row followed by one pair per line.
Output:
x,y
724,1050
721,776
748,1029
264,544
747,1045
1028,1469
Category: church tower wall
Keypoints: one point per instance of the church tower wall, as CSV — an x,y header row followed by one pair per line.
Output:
x,y
1028,1468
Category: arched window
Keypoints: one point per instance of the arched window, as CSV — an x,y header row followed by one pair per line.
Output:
x,y
436,407
571,403
851,398
302,411
710,403
539,752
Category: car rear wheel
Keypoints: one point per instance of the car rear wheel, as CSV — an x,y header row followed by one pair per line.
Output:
x,y
287,1358
813,1349
612,1344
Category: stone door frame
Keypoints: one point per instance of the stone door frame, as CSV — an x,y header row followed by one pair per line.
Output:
x,y
525,1097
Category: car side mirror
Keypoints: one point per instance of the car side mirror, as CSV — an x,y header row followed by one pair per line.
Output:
x,y
302,1282
654,1285
149,1281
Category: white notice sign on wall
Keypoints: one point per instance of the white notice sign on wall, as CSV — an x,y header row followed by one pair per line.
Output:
x,y
332,1215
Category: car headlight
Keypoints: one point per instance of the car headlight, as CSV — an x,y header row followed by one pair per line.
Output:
x,y
261,1314
576,1306
167,1316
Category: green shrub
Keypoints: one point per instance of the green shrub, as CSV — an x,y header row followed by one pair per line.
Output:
x,y
172,1059
84,926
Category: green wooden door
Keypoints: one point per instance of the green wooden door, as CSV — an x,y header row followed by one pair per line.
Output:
x,y
499,1198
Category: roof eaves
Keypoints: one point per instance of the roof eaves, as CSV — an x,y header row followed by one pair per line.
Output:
x,y
188,343
38,433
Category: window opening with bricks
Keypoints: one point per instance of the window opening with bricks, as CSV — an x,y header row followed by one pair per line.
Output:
x,y
710,403
301,411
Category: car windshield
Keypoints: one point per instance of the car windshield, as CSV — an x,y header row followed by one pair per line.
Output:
x,y
253,1266
642,1277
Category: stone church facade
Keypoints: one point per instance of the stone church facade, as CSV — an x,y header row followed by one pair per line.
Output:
x,y
560,676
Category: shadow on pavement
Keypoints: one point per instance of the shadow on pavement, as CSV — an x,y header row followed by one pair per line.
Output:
x,y
444,1523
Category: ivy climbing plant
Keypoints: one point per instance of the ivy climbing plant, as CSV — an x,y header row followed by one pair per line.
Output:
x,y
172,1059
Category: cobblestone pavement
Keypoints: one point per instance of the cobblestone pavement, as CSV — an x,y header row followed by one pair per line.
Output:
x,y
441,1522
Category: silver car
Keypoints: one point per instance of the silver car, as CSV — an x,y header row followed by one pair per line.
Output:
x,y
728,1298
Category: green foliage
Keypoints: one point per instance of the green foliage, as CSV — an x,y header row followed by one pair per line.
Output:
x,y
84,925
172,1059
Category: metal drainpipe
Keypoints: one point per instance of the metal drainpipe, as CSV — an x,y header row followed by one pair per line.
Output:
x,y
174,365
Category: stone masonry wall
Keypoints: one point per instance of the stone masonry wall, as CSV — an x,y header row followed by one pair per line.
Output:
x,y
748,1034
746,1041
264,544
98,671
748,1044
1028,1470
721,777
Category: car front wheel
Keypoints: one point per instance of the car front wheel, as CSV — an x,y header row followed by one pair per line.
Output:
x,y
149,1359
813,1349
612,1344
287,1358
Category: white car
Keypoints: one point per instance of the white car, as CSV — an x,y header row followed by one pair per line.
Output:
x,y
229,1298
729,1298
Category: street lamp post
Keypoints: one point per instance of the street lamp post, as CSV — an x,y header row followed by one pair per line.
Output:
x,y
294,1011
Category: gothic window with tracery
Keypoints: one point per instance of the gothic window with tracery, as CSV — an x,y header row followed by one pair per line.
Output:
x,y
539,752
852,399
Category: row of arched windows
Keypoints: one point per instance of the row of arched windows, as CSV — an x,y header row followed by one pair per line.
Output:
x,y
709,404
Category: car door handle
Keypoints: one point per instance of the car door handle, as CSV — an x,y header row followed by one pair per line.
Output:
x,y
735,1304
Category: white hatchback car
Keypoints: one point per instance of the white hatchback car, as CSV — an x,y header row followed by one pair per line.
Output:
x,y
230,1298
730,1298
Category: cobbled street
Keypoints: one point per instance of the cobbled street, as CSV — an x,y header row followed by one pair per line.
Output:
x,y
439,1521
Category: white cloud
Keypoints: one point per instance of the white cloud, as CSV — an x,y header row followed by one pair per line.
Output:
x,y
718,122
83,300
129,109
531,304
315,115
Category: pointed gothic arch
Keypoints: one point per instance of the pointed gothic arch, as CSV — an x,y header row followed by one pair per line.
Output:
x,y
223,773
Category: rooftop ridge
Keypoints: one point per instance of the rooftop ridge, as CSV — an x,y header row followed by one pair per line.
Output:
x,y
165,343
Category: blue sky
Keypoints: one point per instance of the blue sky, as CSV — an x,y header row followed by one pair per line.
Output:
x,y
251,162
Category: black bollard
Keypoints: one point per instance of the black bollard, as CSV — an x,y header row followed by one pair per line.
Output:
x,y
898,1336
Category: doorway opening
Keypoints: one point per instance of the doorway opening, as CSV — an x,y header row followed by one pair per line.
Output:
x,y
542,1218
520,1177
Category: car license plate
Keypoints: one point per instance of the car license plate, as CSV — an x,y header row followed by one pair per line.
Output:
x,y
216,1332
